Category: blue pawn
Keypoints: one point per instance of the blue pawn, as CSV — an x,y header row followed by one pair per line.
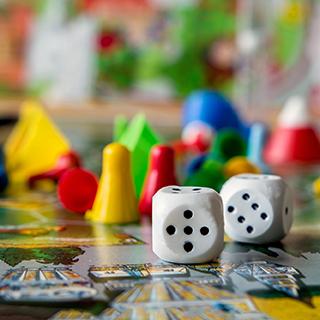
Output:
x,y
3,174
212,109
256,142
195,164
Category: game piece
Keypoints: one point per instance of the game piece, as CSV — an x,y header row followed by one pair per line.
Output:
x,y
161,173
227,144
257,208
64,163
210,175
77,189
256,143
187,224
238,165
295,140
34,145
206,112
197,136
139,138
115,201
316,187
4,181
195,164
119,127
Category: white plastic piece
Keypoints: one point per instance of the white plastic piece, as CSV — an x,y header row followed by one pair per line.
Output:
x,y
187,224
192,129
295,113
257,208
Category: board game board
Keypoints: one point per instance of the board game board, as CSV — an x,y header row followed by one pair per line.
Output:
x,y
54,264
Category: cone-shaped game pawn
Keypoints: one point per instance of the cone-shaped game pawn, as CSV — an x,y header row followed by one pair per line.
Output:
x,y
295,140
161,173
115,201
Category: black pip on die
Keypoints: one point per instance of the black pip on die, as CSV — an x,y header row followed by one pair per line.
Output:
x,y
187,224
257,208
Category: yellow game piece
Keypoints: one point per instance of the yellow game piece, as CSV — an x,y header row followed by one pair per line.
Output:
x,y
316,187
240,164
115,201
34,144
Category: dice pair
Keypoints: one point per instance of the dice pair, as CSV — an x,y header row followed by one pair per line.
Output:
x,y
188,222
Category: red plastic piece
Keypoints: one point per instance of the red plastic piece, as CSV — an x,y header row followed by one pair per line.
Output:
x,y
64,163
293,146
77,189
161,173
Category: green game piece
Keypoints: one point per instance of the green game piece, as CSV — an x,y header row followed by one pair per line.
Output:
x,y
139,138
209,175
227,144
119,127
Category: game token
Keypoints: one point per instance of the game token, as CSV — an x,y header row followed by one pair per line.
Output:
x,y
227,144
115,200
139,138
295,140
212,110
161,173
64,163
238,165
34,144
77,189
256,143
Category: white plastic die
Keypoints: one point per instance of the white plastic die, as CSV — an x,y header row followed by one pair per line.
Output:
x,y
257,208
187,224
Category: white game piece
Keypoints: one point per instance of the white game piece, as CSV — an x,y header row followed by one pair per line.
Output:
x,y
295,114
257,208
187,224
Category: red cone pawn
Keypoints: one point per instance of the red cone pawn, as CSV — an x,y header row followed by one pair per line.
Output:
x,y
293,146
161,173
77,190
295,141
64,163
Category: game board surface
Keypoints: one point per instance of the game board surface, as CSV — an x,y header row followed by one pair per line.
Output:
x,y
53,261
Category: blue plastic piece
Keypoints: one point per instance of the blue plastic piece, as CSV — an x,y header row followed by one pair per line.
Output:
x,y
256,142
3,173
214,110
195,164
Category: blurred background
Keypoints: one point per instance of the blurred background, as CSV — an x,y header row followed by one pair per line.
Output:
x,y
104,57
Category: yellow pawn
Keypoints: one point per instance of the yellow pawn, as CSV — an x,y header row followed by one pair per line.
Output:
x,y
115,201
239,164
316,188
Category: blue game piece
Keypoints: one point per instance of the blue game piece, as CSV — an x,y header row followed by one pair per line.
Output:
x,y
4,181
195,164
256,142
212,109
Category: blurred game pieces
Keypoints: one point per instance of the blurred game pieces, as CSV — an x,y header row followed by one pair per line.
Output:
x,y
34,145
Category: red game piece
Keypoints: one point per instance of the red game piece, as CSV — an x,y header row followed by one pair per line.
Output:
x,y
64,163
77,189
295,141
161,173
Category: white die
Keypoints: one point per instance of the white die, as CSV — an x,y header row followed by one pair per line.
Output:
x,y
257,208
187,224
